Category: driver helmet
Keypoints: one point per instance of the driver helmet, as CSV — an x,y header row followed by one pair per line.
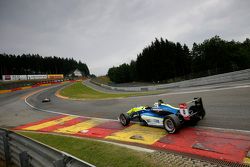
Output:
x,y
160,102
146,107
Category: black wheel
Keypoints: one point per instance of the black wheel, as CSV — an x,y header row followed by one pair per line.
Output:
x,y
124,119
171,123
143,122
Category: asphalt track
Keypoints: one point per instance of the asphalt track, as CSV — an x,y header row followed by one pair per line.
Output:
x,y
227,106
14,112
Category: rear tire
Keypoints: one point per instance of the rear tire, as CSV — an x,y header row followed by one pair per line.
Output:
x,y
171,123
124,119
143,122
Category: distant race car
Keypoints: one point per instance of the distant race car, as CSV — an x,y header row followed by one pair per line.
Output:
x,y
165,115
45,100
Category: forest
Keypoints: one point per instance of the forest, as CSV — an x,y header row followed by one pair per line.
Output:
x,y
166,61
27,64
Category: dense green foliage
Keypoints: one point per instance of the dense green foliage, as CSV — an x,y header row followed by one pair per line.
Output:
x,y
120,74
164,60
220,56
36,64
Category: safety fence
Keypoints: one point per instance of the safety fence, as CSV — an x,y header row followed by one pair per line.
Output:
x,y
19,151
215,79
38,84
31,77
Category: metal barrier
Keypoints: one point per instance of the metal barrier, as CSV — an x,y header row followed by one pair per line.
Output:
x,y
215,79
20,151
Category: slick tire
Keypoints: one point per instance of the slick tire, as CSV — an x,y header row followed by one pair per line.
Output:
x,y
124,119
171,123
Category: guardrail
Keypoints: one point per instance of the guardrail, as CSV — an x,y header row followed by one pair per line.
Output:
x,y
21,151
214,79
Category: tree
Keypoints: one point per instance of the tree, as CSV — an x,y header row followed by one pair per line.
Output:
x,y
36,64
120,74
164,60
220,56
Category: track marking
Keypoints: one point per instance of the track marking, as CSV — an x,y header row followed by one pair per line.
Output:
x,y
246,161
125,136
63,124
50,123
26,97
61,113
46,84
138,134
26,87
4,91
80,126
38,122
208,143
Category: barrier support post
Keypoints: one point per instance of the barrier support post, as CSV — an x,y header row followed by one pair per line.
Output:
x,y
6,149
24,159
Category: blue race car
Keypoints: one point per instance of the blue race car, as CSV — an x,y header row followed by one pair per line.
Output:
x,y
165,115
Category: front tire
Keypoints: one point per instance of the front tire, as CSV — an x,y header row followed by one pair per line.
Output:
x,y
171,123
124,119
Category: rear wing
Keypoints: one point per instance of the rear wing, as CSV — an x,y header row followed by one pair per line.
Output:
x,y
197,101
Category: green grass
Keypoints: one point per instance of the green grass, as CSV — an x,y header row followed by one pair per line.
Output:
x,y
95,152
102,80
80,91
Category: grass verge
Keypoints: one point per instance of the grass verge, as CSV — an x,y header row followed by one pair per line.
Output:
x,y
102,80
80,91
97,153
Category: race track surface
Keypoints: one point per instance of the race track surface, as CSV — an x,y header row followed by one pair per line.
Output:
x,y
226,106
14,112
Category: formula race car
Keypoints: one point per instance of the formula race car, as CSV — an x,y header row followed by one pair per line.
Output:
x,y
45,100
165,115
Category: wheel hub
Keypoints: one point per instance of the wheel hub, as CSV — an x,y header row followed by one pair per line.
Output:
x,y
169,125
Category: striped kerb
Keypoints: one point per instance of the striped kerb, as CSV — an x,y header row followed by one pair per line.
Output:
x,y
80,126
49,123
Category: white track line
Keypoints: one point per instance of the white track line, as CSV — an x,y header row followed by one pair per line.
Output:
x,y
61,113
